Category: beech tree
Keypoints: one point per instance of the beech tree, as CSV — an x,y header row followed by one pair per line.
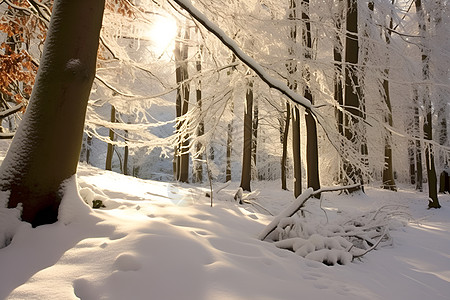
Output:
x,y
181,155
426,101
45,150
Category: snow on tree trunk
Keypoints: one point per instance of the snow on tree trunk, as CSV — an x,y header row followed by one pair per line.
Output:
x,y
426,99
46,148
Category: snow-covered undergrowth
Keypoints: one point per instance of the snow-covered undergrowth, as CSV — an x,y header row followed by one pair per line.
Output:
x,y
339,241
336,242
156,240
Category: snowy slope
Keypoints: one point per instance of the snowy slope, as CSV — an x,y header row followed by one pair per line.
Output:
x,y
162,241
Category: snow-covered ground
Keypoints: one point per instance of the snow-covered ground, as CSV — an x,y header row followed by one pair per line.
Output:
x,y
164,241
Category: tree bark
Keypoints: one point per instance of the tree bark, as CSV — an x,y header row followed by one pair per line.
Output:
x,y
110,148
426,99
229,144
255,124
198,164
296,151
181,155
246,174
388,170
46,148
312,155
338,74
284,145
351,91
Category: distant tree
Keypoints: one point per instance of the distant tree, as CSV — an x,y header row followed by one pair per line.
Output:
x,y
312,155
426,101
351,100
46,148
246,174
110,147
181,155
388,170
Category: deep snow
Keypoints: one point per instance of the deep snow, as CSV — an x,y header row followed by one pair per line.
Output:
x,y
156,240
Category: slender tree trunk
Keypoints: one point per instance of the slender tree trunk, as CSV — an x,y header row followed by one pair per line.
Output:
x,y
247,144
46,148
352,104
312,155
88,148
388,170
255,124
182,105
293,85
426,99
230,131
285,138
338,74
125,155
110,148
229,144
198,164
296,151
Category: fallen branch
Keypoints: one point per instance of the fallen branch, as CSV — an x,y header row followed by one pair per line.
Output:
x,y
10,111
297,205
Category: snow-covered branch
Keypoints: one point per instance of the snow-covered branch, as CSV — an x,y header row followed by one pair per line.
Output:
x,y
246,59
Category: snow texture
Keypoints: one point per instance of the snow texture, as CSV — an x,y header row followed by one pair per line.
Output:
x,y
163,241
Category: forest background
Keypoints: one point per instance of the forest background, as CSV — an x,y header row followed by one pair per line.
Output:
x,y
171,102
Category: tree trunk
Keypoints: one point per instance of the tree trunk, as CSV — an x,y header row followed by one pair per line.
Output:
x,y
229,145
293,85
110,149
230,131
296,151
181,155
198,164
285,144
351,91
312,155
125,155
247,144
46,147
426,100
416,146
388,170
255,124
338,86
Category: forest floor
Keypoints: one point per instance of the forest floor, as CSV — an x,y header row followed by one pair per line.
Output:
x,y
164,241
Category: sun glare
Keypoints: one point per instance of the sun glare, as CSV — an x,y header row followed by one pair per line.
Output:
x,y
162,34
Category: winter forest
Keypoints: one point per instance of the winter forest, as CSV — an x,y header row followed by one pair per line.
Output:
x,y
258,149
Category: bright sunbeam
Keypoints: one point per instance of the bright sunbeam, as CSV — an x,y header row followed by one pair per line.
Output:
x,y
162,33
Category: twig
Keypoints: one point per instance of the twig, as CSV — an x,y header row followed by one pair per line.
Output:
x,y
374,246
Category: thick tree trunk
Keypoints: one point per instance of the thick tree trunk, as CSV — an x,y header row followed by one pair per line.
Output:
x,y
247,144
46,148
